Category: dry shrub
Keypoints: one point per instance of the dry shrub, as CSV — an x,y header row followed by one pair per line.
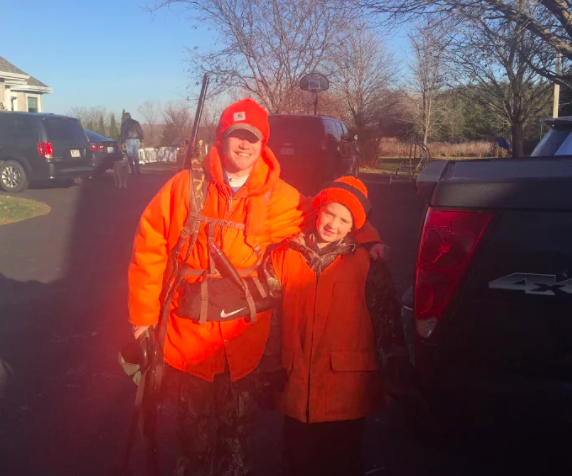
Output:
x,y
392,147
477,149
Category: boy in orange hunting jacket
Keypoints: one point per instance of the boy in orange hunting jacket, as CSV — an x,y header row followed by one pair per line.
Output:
x,y
338,312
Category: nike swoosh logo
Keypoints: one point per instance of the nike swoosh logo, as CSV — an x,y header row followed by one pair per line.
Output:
x,y
224,315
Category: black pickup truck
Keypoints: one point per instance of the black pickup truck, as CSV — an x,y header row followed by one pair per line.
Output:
x,y
493,301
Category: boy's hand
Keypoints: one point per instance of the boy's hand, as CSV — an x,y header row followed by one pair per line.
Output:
x,y
380,252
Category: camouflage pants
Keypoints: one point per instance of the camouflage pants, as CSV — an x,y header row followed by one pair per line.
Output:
x,y
215,424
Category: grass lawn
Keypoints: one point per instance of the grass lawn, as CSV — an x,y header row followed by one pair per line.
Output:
x,y
14,209
388,169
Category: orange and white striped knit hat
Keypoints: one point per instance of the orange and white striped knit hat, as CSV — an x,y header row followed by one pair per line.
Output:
x,y
350,192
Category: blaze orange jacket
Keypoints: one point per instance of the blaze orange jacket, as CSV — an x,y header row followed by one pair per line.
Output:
x,y
328,341
271,210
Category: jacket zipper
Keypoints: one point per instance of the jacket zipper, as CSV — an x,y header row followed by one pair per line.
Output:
x,y
312,350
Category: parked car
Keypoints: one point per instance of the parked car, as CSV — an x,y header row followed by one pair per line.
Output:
x,y
312,150
41,146
493,293
105,151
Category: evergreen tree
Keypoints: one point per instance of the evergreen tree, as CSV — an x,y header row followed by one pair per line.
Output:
x,y
101,126
113,129
122,116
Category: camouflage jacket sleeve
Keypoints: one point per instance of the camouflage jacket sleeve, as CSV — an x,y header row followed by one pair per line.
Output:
x,y
272,359
384,309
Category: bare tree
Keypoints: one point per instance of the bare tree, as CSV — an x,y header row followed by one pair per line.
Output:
x,y
152,115
178,122
364,72
89,114
429,77
363,75
494,57
266,45
551,23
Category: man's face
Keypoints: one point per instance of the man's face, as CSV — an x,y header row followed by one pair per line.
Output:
x,y
241,149
334,222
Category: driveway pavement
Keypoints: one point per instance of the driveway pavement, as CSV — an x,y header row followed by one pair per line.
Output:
x,y
64,403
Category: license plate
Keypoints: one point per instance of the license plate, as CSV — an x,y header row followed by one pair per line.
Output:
x,y
287,151
110,150
75,153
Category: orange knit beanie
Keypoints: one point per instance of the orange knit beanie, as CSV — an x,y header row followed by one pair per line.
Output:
x,y
350,192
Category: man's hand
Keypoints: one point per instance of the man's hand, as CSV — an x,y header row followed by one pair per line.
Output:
x,y
139,330
380,252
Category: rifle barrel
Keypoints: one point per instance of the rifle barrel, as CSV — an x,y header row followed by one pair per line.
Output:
x,y
199,112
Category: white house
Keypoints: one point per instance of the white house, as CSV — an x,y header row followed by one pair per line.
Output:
x,y
20,91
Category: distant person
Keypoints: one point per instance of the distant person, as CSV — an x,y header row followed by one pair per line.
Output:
x,y
503,144
132,137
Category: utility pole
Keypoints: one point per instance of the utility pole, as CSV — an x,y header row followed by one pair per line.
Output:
x,y
556,103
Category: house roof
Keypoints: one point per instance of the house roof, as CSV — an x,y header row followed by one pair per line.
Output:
x,y
8,67
36,82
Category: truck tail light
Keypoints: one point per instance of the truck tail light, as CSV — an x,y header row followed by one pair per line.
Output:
x,y
45,150
448,242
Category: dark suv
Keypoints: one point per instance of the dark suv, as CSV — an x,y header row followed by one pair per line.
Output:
x,y
41,146
312,150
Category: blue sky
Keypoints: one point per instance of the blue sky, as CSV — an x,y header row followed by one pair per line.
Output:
x,y
108,53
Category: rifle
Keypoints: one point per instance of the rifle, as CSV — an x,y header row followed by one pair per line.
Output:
x,y
149,357
191,150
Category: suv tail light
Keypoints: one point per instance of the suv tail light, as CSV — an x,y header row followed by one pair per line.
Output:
x,y
447,245
45,150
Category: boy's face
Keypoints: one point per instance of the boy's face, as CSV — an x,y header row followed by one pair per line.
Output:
x,y
334,222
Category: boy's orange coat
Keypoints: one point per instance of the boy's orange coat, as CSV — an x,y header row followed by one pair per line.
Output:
x,y
328,340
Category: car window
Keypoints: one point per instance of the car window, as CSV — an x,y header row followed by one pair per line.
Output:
x,y
340,130
345,133
551,142
332,129
94,136
294,130
16,128
63,129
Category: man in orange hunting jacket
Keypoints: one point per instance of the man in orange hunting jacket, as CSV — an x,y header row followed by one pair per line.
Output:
x,y
211,366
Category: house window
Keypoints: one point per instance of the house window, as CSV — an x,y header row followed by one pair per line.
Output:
x,y
32,104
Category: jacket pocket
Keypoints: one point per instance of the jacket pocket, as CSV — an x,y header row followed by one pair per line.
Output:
x,y
351,386
353,360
